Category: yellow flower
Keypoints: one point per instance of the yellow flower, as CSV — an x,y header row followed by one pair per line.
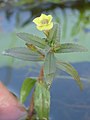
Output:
x,y
44,22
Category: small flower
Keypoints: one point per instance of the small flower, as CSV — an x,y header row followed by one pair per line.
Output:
x,y
44,22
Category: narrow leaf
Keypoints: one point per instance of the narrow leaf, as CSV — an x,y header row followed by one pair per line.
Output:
x,y
54,34
35,49
32,39
24,54
49,67
69,47
26,88
42,101
70,70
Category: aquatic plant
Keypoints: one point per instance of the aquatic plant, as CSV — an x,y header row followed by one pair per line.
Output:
x,y
44,50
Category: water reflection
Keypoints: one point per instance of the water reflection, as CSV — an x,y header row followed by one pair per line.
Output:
x,y
72,103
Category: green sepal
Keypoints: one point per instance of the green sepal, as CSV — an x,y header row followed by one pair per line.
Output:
x,y
49,67
54,34
69,47
26,88
70,70
42,101
24,54
32,39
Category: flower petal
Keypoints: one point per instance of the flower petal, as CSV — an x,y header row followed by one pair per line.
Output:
x,y
37,20
45,27
43,16
44,22
50,18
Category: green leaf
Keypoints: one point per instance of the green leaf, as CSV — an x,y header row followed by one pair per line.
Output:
x,y
49,67
26,88
69,47
24,54
32,39
70,70
76,29
42,101
54,34
35,49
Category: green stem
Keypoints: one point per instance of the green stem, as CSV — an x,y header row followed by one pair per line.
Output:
x,y
31,108
41,75
46,32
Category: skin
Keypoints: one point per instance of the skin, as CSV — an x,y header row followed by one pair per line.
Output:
x,y
10,108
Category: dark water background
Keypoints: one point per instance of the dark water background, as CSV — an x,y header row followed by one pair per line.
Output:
x,y
68,102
